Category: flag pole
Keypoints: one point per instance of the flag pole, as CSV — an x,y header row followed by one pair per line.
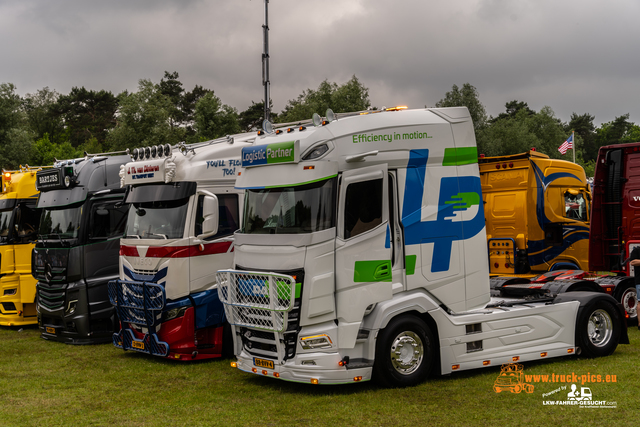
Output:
x,y
573,137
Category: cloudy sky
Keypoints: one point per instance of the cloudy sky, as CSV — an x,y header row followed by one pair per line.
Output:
x,y
579,56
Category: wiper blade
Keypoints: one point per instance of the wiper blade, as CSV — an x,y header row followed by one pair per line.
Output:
x,y
131,236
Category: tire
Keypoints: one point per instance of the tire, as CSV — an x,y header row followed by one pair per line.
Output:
x,y
598,329
404,352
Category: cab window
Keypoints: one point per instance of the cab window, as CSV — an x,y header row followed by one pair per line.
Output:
x,y
228,217
575,205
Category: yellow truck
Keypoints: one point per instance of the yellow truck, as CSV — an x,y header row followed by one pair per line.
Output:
x,y
19,221
536,214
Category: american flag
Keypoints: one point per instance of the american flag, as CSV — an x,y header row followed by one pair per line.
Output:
x,y
566,145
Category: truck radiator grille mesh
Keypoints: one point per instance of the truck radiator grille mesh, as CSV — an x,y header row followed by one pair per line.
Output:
x,y
256,299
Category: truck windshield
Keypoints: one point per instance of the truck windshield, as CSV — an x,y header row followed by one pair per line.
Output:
x,y
157,220
291,210
5,219
60,223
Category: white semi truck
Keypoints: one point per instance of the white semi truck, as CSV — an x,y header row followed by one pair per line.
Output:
x,y
179,232
362,253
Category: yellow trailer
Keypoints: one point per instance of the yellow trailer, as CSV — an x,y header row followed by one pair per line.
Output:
x,y
19,221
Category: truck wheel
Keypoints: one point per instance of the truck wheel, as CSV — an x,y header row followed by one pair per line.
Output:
x,y
598,329
404,352
629,301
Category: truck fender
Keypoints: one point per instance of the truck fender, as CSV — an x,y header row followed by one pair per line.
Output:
x,y
557,287
382,314
588,298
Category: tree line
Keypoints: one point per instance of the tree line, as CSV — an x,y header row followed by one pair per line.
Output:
x,y
38,128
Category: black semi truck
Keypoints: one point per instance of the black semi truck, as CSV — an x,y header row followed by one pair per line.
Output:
x,y
76,255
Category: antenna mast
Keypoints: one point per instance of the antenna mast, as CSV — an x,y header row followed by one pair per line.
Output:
x,y
265,60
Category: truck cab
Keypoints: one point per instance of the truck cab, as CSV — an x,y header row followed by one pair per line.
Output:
x,y
76,254
19,221
537,214
183,212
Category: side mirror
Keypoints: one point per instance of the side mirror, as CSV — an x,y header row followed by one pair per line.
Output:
x,y
210,215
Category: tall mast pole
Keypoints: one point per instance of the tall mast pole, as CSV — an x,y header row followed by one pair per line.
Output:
x,y
265,60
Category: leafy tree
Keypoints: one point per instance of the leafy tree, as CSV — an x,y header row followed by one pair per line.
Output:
x,y
16,139
214,119
512,109
613,132
583,127
41,114
251,118
46,152
632,134
143,119
517,133
466,97
87,114
352,96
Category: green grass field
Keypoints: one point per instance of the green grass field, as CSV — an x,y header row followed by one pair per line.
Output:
x,y
51,384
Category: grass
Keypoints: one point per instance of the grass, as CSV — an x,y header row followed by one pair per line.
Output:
x,y
51,384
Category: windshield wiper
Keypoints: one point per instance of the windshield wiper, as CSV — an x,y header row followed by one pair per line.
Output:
x,y
130,236
156,234
45,236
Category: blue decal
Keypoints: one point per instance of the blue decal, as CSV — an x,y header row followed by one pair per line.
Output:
x,y
253,156
144,277
387,239
456,194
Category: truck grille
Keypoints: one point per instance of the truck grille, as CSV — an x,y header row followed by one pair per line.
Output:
x,y
266,307
51,296
140,303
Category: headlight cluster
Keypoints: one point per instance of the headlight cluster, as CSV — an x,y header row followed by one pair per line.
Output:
x,y
174,313
155,151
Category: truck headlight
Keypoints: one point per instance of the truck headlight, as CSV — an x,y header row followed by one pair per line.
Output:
x,y
174,313
316,341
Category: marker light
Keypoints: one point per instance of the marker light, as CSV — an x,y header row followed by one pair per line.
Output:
x,y
264,372
301,128
290,130
356,379
308,168
543,354
276,374
279,131
455,367
486,363
254,370
314,381
569,351
515,358
398,108
7,176
234,364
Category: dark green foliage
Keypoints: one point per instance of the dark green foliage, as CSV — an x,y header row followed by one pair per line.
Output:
x,y
466,97
351,96
87,114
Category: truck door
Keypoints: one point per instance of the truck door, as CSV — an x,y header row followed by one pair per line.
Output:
x,y
363,249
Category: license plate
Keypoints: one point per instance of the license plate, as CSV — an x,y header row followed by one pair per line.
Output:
x,y
50,330
137,344
262,363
